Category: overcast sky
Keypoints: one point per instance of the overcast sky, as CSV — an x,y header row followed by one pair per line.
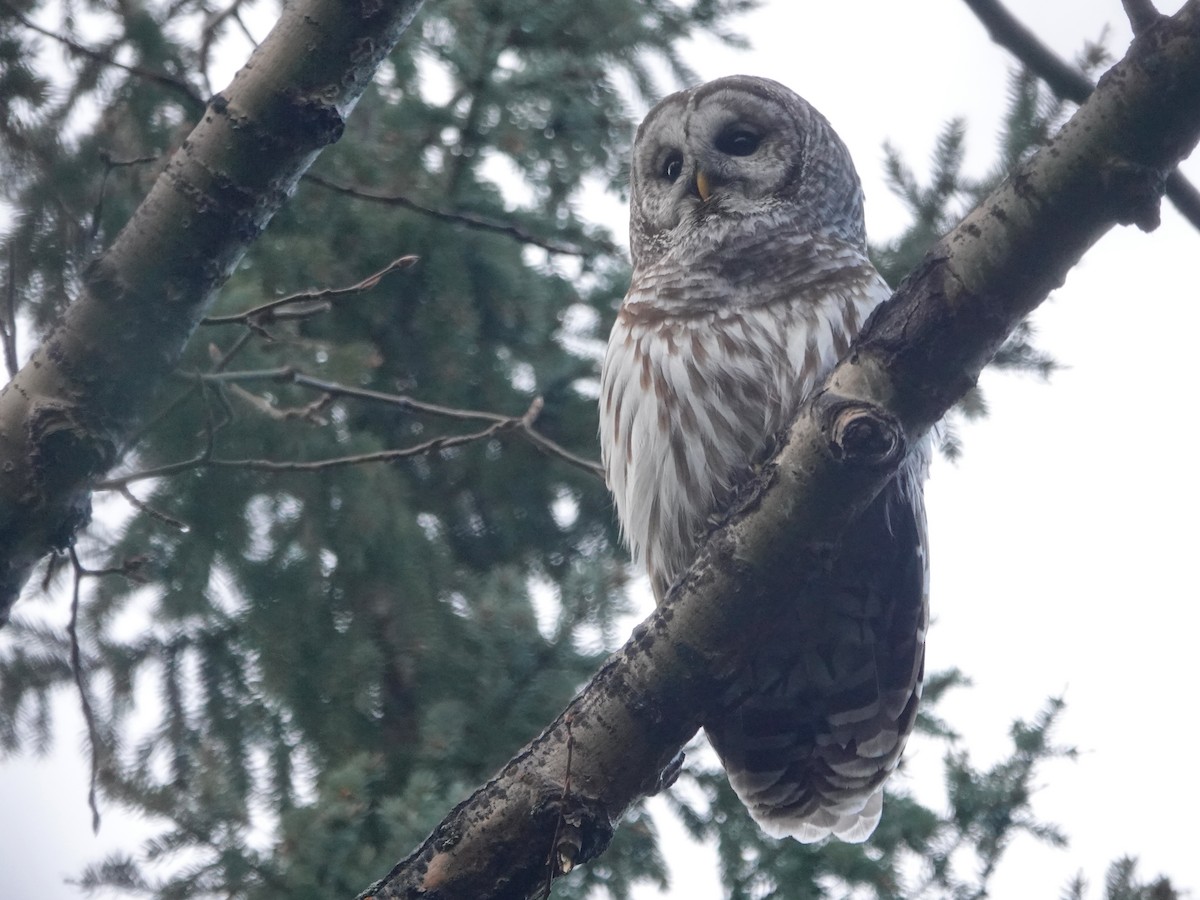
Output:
x,y
1062,542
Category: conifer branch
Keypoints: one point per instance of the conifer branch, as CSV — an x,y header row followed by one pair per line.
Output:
x,y
468,220
917,354
1067,81
100,56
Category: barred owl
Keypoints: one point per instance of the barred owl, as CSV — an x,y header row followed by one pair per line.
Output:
x,y
750,280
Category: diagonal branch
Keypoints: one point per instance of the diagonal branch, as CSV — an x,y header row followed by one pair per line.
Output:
x,y
1067,81
917,355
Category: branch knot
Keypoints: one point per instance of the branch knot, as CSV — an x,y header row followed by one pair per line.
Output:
x,y
862,434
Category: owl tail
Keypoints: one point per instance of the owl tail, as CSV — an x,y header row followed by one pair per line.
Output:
x,y
806,786
783,807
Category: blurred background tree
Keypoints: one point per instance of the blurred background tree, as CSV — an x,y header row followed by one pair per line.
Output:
x,y
298,670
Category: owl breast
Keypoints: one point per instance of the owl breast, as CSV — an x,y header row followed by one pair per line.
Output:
x,y
691,400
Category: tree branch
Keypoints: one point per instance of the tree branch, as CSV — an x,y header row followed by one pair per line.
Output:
x,y
1067,81
269,311
66,417
523,425
206,459
917,354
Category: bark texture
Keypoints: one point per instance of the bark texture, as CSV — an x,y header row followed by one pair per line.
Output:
x,y
65,418
917,355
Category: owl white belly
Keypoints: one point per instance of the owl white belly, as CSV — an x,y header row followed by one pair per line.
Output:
x,y
688,404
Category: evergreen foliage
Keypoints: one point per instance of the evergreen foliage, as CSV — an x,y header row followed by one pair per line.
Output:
x,y
337,656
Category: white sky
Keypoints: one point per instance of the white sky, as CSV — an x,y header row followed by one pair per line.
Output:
x,y
1062,542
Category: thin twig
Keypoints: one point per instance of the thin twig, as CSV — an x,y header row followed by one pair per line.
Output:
x,y
267,312
109,165
551,448
209,34
79,49
89,716
556,863
151,511
8,324
308,412
205,459
1066,81
469,220
220,361
287,374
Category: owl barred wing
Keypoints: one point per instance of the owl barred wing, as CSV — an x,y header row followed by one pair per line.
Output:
x,y
833,696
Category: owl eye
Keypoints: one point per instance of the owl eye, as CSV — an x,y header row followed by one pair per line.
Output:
x,y
672,166
738,142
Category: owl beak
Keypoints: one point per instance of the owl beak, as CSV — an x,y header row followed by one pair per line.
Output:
x,y
703,188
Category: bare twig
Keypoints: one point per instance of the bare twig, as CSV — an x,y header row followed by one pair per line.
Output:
x,y
469,220
210,33
151,511
308,412
220,361
89,716
561,859
205,459
8,322
79,49
109,165
525,428
268,312
1067,81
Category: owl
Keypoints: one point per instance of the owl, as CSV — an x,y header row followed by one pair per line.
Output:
x,y
750,279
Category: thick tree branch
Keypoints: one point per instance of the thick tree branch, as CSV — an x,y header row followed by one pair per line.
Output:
x,y
916,356
69,412
1067,81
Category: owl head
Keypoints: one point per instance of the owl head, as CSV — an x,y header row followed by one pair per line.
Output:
x,y
736,154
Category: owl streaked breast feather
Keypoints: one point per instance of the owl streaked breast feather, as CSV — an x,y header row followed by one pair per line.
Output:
x,y
750,281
